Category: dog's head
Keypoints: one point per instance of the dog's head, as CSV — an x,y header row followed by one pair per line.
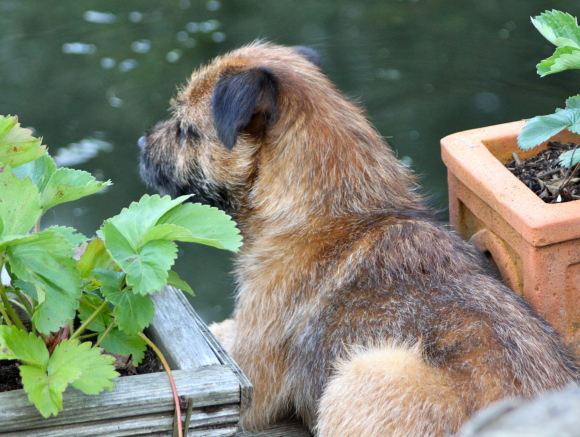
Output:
x,y
220,122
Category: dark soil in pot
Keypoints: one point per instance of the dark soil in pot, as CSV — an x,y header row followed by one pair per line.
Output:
x,y
543,175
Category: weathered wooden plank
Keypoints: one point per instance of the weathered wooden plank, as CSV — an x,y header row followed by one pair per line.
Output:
x,y
134,396
225,418
246,388
225,432
289,428
174,316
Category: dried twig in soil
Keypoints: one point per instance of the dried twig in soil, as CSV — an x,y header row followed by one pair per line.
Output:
x,y
543,175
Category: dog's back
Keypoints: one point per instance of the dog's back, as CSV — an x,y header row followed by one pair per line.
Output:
x,y
419,332
355,309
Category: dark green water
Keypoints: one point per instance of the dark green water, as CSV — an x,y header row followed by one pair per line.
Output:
x,y
92,76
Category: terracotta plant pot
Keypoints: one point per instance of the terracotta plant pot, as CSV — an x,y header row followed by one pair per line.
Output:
x,y
535,245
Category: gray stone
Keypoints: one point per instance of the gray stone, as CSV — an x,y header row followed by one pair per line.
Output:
x,y
554,414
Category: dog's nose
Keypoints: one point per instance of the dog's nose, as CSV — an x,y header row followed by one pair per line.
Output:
x,y
142,142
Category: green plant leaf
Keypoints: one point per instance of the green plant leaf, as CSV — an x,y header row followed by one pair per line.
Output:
x,y
133,312
147,270
47,262
134,222
140,238
15,239
97,371
66,184
543,127
45,391
564,58
87,308
27,288
569,158
20,206
95,256
74,237
175,281
86,368
17,145
573,103
206,225
120,343
560,28
39,171
16,344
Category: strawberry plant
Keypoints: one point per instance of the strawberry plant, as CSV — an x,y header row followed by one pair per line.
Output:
x,y
562,30
65,289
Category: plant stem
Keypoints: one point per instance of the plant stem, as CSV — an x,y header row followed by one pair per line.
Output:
x,y
188,413
8,309
24,300
90,320
87,303
105,333
5,315
171,381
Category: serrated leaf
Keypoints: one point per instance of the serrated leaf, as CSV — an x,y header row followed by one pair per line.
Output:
x,y
86,368
147,270
95,256
16,344
7,123
74,237
543,127
110,278
133,312
564,58
45,391
66,185
20,206
38,171
174,280
121,343
569,158
17,145
96,369
207,225
47,262
134,222
560,28
15,239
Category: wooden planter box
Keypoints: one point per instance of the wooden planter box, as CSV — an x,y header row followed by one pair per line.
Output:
x,y
536,246
143,404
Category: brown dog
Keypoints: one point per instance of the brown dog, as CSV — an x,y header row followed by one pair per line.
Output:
x,y
355,309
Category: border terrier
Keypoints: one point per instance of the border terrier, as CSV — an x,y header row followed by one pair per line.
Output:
x,y
355,309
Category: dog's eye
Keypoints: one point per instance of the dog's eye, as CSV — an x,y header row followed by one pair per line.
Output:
x,y
188,133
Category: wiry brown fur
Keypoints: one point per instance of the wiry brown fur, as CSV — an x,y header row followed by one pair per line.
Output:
x,y
355,310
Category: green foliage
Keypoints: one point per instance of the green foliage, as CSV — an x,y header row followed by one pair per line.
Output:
x,y
45,376
562,30
105,283
17,146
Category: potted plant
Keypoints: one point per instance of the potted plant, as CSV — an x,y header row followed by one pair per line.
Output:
x,y
68,300
535,245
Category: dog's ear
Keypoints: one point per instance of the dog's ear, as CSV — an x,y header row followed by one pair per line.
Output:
x,y
245,101
310,54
